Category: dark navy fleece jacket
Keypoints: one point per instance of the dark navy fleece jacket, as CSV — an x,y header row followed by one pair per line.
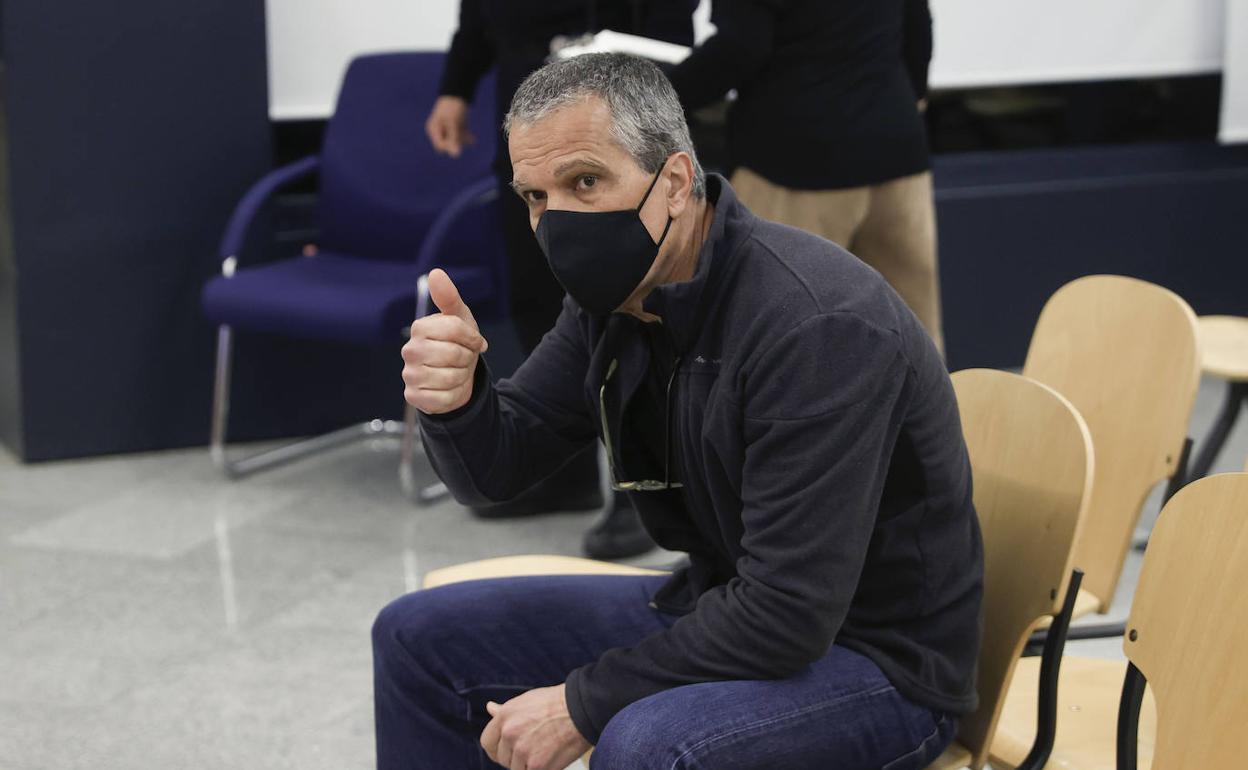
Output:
x,y
827,491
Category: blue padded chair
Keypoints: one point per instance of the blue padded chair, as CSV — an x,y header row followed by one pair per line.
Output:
x,y
389,210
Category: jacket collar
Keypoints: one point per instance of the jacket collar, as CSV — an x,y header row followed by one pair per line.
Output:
x,y
684,306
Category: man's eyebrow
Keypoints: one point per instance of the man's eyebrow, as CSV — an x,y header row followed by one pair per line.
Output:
x,y
585,163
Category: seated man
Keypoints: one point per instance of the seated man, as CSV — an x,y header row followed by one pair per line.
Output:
x,y
774,410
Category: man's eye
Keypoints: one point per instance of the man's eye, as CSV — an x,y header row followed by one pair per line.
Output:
x,y
533,196
585,181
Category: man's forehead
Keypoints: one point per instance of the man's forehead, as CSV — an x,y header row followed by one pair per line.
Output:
x,y
579,132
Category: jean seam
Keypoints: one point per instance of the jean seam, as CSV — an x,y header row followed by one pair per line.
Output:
x,y
933,735
463,691
777,719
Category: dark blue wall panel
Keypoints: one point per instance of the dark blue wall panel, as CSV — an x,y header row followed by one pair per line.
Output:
x,y
10,389
1015,226
133,127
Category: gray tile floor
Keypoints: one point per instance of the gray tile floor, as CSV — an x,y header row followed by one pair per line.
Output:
x,y
154,615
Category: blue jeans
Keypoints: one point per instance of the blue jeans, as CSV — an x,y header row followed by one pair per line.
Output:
x,y
439,655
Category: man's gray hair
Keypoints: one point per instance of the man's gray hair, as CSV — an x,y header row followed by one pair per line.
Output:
x,y
647,119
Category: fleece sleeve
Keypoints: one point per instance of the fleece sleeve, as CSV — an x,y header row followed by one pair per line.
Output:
x,y
471,54
512,435
740,47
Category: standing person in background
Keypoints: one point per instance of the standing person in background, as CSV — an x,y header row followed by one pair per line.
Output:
x,y
515,37
827,132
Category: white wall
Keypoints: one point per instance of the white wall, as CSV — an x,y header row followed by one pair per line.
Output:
x,y
978,42
1235,76
311,42
995,42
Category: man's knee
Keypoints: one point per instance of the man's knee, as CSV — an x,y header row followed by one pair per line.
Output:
x,y
407,623
645,735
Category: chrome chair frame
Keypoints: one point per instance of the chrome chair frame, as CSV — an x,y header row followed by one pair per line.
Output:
x,y
272,458
480,192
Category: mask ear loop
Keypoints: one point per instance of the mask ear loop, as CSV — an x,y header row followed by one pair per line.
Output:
x,y
649,190
642,205
663,237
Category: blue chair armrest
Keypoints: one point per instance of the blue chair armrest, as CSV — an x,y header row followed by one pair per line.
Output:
x,y
473,196
240,221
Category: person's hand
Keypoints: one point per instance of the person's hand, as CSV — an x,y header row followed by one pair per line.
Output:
x,y
447,126
441,357
533,731
922,104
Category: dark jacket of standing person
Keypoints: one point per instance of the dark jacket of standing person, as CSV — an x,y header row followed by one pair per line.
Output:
x,y
515,35
826,91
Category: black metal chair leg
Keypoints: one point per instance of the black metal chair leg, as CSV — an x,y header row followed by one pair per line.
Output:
x,y
1050,673
1128,738
1236,393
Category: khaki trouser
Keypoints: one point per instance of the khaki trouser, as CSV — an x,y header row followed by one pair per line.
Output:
x,y
890,226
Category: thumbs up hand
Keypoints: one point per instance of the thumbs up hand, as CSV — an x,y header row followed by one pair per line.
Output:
x,y
441,357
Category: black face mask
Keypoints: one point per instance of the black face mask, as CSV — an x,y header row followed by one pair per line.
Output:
x,y
599,257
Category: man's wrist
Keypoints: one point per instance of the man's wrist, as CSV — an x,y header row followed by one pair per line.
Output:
x,y
576,708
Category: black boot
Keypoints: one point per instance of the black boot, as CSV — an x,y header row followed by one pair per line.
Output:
x,y
618,534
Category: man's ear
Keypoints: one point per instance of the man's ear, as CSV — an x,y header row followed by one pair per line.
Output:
x,y
680,183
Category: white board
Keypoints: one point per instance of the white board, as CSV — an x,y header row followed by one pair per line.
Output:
x,y
1235,76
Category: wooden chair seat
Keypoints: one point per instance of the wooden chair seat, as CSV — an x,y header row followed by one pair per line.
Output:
x,y
1087,712
528,565
1224,346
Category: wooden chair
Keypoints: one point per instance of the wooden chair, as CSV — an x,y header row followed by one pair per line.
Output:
x,y
1031,456
1224,347
1126,354
1187,633
519,566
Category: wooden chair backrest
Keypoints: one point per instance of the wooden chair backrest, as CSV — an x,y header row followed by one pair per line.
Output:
x,y
1189,621
1126,353
1031,462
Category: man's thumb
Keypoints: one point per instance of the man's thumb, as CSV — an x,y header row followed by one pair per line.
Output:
x,y
446,297
444,294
